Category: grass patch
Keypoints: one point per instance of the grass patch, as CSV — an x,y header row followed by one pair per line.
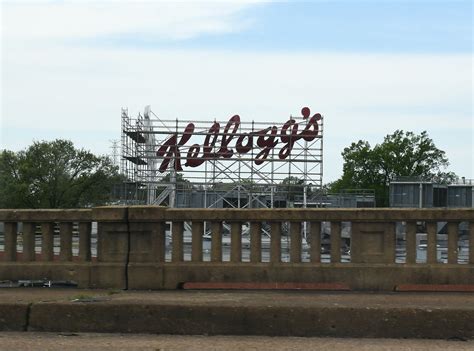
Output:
x,y
114,291
83,297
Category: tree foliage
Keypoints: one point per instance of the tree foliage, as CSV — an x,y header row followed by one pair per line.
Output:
x,y
182,183
400,154
292,187
54,175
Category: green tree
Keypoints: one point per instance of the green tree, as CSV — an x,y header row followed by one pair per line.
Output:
x,y
55,175
293,186
400,154
247,184
181,182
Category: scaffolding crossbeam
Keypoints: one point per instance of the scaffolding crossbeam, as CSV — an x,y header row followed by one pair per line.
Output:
x,y
253,182
135,136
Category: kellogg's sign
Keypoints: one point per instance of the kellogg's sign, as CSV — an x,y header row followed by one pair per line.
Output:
x,y
228,142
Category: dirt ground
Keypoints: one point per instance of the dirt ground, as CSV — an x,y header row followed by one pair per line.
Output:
x,y
250,298
13,341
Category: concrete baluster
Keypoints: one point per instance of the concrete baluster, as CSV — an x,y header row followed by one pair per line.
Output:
x,y
295,248
411,242
161,241
453,242
275,242
431,250
10,241
315,238
65,239
216,244
85,241
255,242
177,233
335,242
236,242
47,241
28,241
196,252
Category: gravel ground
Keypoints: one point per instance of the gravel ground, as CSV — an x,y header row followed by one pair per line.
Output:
x,y
12,341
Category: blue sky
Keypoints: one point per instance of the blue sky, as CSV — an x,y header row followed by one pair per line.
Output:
x,y
344,26
371,67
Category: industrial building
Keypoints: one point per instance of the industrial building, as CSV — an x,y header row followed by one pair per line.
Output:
x,y
413,192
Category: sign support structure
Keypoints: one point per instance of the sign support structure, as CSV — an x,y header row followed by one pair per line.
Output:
x,y
230,163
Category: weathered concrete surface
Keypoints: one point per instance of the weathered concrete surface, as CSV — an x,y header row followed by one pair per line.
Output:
x,y
13,316
357,276
170,275
272,313
131,247
45,215
72,271
150,213
91,341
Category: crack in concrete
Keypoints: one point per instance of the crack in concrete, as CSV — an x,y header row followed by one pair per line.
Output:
x,y
27,318
127,260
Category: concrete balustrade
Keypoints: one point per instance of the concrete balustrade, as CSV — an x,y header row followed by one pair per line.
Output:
x,y
33,232
132,247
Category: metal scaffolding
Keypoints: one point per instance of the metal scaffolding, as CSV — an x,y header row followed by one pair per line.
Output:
x,y
232,163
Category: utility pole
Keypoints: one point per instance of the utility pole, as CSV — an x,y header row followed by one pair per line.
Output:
x,y
115,151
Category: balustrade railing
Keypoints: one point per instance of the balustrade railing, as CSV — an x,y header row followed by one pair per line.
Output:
x,y
156,247
372,234
29,235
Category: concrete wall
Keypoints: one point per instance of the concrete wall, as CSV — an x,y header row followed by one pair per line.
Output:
x,y
131,247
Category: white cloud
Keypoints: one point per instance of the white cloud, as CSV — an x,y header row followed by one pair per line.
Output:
x,y
49,90
87,19
361,96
